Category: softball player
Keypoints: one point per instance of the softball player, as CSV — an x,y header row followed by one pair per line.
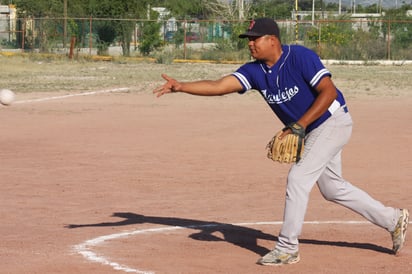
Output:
x,y
298,88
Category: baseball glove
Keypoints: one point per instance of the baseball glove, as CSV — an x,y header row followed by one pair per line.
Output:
x,y
289,149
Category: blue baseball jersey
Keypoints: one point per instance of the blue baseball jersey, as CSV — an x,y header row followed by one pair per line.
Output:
x,y
289,85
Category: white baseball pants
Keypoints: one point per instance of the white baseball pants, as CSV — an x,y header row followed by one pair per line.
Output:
x,y
321,163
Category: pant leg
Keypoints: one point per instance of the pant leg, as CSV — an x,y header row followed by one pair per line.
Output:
x,y
303,176
336,189
323,147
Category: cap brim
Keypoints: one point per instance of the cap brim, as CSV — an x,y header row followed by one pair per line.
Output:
x,y
250,34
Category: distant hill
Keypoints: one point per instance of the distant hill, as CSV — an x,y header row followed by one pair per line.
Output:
x,y
385,3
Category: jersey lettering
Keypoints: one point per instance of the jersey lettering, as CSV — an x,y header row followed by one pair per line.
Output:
x,y
281,97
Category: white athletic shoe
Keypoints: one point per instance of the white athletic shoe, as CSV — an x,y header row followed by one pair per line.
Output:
x,y
277,257
399,234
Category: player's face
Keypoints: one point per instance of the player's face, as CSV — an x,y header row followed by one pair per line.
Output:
x,y
260,46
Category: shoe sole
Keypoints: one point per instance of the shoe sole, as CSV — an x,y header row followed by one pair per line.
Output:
x,y
405,222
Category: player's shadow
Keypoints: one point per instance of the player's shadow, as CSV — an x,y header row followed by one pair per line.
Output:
x,y
242,236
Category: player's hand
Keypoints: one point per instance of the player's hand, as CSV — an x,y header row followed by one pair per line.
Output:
x,y
300,130
284,133
171,85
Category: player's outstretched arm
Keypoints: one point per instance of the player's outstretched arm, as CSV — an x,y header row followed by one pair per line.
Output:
x,y
224,85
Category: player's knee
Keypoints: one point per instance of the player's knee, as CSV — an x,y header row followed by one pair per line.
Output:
x,y
331,190
329,196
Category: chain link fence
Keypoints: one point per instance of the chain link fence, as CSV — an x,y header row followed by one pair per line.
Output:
x,y
364,39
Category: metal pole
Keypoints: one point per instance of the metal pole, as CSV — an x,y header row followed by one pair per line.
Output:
x,y
389,40
184,40
64,23
90,35
241,9
297,23
313,12
23,35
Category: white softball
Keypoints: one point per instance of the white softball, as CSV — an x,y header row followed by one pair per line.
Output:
x,y
6,96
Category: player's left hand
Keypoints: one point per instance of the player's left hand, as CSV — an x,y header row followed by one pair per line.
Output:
x,y
287,145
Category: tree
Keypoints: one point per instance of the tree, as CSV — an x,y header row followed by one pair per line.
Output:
x,y
399,24
187,9
107,34
49,8
150,38
277,9
122,14
331,38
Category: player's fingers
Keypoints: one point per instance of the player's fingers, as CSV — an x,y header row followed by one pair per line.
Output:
x,y
166,77
158,91
161,91
166,88
284,133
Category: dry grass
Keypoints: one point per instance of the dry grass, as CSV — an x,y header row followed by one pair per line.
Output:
x,y
23,74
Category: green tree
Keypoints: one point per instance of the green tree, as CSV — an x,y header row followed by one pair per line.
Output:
x,y
123,13
187,9
39,8
107,34
398,26
331,38
150,38
50,8
54,25
277,9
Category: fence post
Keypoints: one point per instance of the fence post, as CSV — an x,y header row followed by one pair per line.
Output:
x,y
23,35
90,36
389,40
64,23
184,40
72,43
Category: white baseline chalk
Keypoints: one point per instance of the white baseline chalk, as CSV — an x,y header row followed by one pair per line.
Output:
x,y
71,95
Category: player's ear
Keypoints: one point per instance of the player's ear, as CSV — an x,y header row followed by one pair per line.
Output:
x,y
273,39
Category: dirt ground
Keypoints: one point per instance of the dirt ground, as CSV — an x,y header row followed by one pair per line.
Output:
x,y
121,181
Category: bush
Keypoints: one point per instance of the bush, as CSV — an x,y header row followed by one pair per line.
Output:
x,y
106,35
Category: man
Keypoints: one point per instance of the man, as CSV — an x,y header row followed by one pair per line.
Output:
x,y
299,90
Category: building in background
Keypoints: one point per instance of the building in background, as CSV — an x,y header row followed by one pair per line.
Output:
x,y
7,23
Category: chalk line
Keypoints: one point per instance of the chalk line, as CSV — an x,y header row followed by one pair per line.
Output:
x,y
85,248
71,95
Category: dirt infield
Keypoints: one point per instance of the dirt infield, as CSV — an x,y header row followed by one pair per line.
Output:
x,y
116,182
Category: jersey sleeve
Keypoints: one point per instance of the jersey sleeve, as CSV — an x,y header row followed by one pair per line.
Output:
x,y
245,76
311,66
